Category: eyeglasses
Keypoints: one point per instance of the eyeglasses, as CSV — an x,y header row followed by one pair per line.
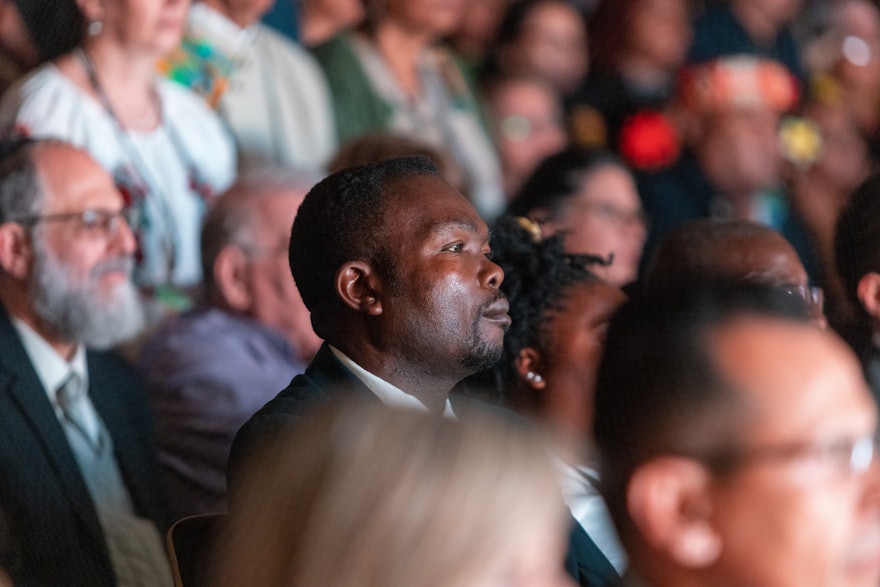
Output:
x,y
852,456
97,221
812,295
517,127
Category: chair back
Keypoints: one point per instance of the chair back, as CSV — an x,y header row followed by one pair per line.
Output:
x,y
190,543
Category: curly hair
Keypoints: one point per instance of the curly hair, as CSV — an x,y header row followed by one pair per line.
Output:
x,y
537,274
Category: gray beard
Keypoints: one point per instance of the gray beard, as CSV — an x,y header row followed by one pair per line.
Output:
x,y
75,310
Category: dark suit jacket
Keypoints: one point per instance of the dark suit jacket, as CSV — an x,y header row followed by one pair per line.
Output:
x,y
325,380
49,529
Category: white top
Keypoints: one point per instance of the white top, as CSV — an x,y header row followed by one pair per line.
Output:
x,y
388,394
47,104
589,509
277,103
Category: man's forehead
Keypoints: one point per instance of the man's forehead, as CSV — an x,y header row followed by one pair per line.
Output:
x,y
796,377
70,177
432,204
767,259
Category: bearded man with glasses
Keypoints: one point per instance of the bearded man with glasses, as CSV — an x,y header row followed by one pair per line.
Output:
x,y
79,478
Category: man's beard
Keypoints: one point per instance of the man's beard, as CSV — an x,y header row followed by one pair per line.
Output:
x,y
481,353
74,307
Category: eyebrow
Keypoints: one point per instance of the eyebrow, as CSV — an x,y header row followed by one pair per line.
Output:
x,y
437,228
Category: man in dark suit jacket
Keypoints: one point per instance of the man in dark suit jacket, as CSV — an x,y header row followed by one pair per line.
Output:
x,y
392,262
78,479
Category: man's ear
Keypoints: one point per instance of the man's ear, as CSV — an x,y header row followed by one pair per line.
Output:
x,y
868,291
529,366
359,287
231,278
16,250
670,504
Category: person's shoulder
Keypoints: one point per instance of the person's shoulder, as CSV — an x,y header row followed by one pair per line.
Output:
x,y
340,49
201,332
45,103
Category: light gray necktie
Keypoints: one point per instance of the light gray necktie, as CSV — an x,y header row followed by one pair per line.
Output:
x,y
72,399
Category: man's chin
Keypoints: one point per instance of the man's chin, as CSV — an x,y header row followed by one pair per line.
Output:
x,y
483,357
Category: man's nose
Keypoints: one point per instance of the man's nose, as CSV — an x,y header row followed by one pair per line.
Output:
x,y
122,239
491,274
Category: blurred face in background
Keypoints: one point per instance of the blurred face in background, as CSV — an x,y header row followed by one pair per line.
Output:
x,y
148,26
552,45
526,119
740,150
660,32
605,218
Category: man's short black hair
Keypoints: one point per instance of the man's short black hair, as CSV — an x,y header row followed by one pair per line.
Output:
x,y
658,389
340,220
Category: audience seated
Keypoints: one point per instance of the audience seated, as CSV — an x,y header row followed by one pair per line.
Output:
x,y
737,443
167,152
362,495
207,371
80,491
734,250
270,92
393,74
731,166
559,313
590,196
404,317
857,253
526,122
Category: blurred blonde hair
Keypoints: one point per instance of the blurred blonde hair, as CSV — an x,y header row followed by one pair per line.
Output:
x,y
375,497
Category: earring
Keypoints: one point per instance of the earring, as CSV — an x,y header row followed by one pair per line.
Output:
x,y
532,376
95,28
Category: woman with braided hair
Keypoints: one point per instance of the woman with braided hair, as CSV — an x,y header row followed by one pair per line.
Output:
x,y
560,312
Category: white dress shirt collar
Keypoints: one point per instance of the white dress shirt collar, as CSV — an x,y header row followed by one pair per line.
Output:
x,y
52,369
388,394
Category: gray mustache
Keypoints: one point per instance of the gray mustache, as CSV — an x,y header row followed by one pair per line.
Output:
x,y
117,264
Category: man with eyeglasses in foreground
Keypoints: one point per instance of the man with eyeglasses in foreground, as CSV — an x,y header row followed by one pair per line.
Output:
x,y
78,476
737,443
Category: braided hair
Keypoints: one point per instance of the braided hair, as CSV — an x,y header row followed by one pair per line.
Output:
x,y
537,275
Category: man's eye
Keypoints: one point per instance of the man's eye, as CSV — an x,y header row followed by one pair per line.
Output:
x,y
93,220
456,248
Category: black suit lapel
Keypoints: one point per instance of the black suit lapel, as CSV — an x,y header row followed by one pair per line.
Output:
x,y
21,385
334,378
